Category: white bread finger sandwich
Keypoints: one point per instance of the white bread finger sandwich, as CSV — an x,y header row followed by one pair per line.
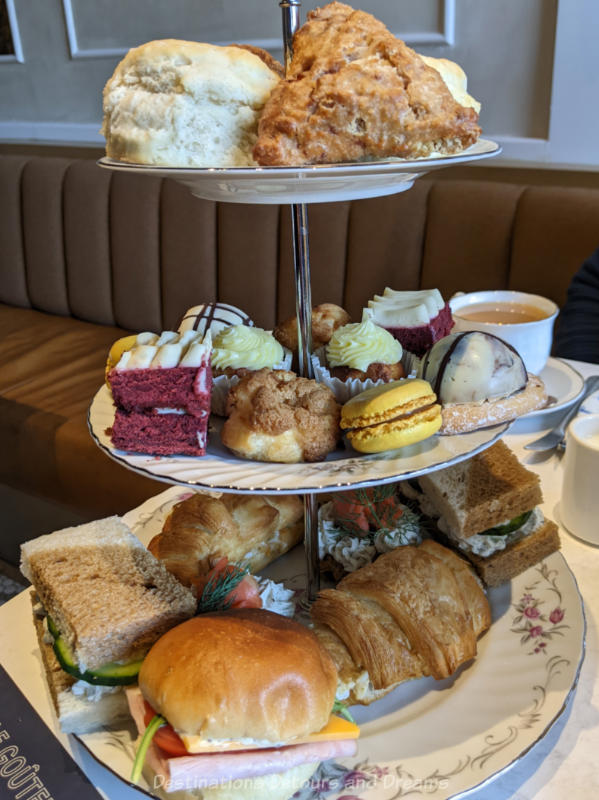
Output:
x,y
237,703
488,508
101,600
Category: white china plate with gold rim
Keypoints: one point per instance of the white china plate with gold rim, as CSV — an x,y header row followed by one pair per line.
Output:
x,y
437,739
220,470
321,183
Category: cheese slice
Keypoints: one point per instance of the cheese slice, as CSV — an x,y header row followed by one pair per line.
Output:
x,y
336,729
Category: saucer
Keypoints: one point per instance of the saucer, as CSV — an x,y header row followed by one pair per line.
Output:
x,y
564,386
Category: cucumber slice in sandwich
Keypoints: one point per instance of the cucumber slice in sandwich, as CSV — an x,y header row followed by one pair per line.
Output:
x,y
508,527
106,675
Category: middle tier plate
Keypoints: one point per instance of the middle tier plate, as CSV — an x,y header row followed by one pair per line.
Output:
x,y
220,470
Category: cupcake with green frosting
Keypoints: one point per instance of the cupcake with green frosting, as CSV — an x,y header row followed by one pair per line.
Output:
x,y
358,356
237,350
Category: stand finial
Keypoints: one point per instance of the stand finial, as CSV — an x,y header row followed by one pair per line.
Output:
x,y
291,21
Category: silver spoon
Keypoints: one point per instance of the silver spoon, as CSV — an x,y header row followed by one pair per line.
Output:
x,y
555,437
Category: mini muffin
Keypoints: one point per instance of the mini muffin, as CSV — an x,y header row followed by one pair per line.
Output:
x,y
276,416
239,350
359,356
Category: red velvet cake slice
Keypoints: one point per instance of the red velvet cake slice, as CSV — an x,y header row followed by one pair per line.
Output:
x,y
416,319
162,395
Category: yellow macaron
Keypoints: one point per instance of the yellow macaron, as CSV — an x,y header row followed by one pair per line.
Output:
x,y
392,415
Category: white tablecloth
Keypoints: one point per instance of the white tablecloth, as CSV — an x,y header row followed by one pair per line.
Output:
x,y
563,763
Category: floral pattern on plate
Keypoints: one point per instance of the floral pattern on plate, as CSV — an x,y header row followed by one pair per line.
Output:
x,y
440,739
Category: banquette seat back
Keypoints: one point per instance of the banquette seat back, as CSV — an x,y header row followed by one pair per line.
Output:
x,y
87,254
135,252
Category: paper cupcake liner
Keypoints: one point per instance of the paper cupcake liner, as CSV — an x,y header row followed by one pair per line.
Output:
x,y
343,390
222,383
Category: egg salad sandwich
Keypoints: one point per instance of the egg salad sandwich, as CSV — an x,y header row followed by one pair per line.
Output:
x,y
100,601
488,507
237,704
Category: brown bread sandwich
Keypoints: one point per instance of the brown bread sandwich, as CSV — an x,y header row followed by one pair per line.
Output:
x,y
488,508
100,601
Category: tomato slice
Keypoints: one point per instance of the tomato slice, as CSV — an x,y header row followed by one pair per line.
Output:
x,y
165,737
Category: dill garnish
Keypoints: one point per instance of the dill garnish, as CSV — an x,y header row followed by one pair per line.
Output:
x,y
219,586
361,510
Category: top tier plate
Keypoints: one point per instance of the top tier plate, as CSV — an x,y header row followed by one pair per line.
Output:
x,y
323,183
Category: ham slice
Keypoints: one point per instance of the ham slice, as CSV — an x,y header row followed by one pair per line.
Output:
x,y
199,771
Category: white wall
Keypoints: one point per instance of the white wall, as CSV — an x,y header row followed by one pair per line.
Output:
x,y
532,63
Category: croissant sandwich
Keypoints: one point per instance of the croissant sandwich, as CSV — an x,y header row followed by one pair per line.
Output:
x,y
414,612
251,530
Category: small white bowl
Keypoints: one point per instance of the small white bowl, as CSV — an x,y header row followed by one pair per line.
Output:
x,y
532,340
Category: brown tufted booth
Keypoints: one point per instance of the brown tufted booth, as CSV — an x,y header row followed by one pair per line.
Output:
x,y
87,254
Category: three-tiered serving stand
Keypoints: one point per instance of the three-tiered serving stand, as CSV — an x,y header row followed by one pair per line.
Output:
x,y
298,186
509,705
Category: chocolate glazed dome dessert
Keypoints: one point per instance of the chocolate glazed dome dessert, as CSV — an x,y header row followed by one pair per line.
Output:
x,y
480,380
473,366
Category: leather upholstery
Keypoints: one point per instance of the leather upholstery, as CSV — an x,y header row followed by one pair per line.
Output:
x,y
86,254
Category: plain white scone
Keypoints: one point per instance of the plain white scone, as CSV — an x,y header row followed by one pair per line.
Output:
x,y
185,104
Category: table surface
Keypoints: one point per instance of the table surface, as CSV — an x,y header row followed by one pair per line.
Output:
x,y
563,763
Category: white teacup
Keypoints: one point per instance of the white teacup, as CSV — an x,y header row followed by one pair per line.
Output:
x,y
579,506
531,337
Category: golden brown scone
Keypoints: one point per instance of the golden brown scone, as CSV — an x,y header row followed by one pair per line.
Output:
x,y
414,611
326,318
356,92
276,416
376,372
266,57
249,529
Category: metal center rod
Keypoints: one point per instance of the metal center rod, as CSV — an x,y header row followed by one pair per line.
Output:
x,y
303,309
303,291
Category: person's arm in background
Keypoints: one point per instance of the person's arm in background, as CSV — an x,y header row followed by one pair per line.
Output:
x,y
577,334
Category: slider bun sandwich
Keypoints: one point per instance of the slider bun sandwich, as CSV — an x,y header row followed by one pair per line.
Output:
x,y
248,696
100,601
488,508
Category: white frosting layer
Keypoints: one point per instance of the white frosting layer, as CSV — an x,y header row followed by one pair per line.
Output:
x,y
169,350
480,367
405,309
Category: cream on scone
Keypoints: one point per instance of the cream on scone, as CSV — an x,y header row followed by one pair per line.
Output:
x,y
185,104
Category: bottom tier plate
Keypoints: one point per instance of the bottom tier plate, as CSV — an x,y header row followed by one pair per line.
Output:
x,y
221,470
438,739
